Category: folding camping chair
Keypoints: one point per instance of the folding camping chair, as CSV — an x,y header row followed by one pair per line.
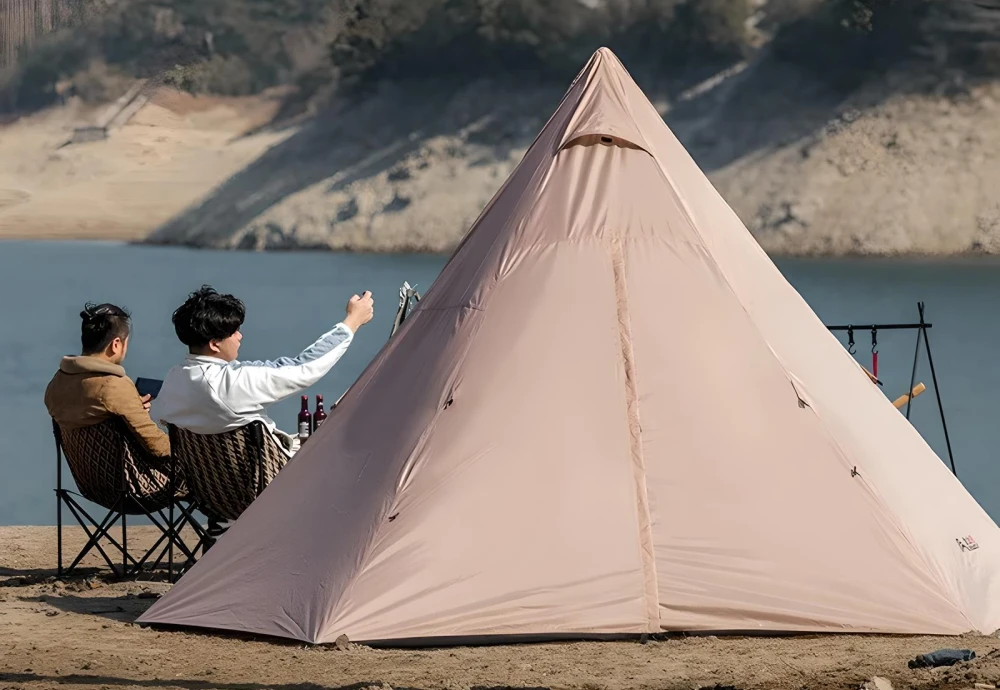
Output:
x,y
226,472
113,470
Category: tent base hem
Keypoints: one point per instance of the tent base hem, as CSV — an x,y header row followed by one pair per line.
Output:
x,y
502,639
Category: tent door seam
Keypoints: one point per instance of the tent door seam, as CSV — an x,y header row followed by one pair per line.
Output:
x,y
644,519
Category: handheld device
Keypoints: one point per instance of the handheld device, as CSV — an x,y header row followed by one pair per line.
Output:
x,y
148,386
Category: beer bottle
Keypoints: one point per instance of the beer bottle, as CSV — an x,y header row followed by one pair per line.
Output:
x,y
320,415
305,420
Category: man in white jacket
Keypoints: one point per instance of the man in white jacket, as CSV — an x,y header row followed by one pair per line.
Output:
x,y
212,392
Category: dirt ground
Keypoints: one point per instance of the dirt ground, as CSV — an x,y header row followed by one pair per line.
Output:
x,y
78,632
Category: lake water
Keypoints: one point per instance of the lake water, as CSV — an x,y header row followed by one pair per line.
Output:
x,y
292,298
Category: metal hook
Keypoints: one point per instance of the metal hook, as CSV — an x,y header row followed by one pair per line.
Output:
x,y
874,340
850,340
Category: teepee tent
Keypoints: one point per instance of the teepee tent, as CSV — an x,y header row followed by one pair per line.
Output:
x,y
609,414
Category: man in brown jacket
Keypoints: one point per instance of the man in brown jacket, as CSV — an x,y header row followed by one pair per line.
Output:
x,y
93,387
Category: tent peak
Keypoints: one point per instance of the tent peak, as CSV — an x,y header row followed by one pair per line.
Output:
x,y
605,52
602,114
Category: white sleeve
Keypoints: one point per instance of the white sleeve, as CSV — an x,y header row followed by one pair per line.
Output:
x,y
247,386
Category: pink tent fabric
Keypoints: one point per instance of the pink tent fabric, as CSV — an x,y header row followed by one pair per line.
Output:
x,y
609,414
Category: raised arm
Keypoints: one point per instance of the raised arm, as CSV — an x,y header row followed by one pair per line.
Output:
x,y
249,385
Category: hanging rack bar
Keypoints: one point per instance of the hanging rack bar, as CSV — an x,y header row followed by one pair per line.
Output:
x,y
882,327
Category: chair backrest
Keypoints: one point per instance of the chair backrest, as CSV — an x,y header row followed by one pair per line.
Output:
x,y
226,472
107,461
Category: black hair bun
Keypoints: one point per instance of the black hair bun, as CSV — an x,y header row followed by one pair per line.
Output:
x,y
88,312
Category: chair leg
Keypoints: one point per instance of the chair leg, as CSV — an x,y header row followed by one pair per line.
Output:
x,y
171,532
59,498
168,535
59,528
187,518
173,499
125,569
59,557
82,517
156,555
99,532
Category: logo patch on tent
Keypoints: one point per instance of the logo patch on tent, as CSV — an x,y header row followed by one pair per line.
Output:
x,y
967,544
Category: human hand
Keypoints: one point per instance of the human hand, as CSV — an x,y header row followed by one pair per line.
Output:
x,y
146,402
360,311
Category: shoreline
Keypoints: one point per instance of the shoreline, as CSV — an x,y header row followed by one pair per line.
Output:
x,y
903,257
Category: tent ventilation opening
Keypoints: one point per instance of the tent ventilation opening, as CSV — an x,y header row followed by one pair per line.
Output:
x,y
602,139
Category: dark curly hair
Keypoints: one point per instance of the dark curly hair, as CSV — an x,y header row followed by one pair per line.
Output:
x,y
207,316
102,323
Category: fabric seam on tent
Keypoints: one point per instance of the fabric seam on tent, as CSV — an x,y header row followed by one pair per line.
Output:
x,y
628,109
645,523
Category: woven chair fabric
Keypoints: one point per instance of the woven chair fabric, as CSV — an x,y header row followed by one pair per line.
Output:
x,y
105,459
223,471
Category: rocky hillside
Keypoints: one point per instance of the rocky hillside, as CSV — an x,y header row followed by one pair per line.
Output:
x,y
824,140
904,164
916,174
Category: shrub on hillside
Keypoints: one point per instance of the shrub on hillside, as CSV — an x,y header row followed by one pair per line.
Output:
x,y
717,27
406,38
226,76
468,38
221,46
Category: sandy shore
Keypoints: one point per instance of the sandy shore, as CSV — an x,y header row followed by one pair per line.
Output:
x,y
171,153
79,633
